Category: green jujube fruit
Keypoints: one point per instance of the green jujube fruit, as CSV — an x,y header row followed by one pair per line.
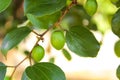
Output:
x,y
58,39
117,48
91,7
38,53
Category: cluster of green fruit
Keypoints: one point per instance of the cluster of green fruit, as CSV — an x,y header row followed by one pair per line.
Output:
x,y
57,37
57,41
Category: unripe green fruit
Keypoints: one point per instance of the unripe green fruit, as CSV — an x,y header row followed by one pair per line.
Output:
x,y
91,7
57,39
37,53
117,48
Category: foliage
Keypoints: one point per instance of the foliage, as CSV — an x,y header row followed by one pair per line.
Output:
x,y
2,71
78,40
4,4
71,23
13,38
49,71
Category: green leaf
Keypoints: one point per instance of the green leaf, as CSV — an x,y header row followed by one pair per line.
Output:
x,y
66,54
45,21
13,38
33,19
4,4
2,71
43,7
117,48
82,42
25,77
116,23
45,71
118,72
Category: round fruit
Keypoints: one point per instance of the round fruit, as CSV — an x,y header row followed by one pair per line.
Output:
x,y
37,53
116,23
57,39
117,48
91,7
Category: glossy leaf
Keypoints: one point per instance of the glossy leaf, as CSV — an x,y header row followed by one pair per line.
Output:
x,y
45,71
4,4
82,42
43,22
118,72
33,19
25,77
116,23
117,48
43,7
66,54
2,71
13,38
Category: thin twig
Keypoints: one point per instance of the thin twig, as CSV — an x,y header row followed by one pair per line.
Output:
x,y
11,66
35,32
15,67
13,73
22,61
61,18
64,13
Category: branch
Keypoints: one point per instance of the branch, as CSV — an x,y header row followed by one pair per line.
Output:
x,y
74,2
40,36
15,67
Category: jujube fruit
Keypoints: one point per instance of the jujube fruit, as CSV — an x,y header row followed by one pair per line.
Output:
x,y
91,7
37,53
117,48
57,39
